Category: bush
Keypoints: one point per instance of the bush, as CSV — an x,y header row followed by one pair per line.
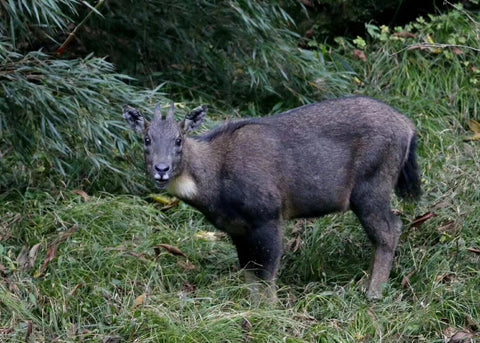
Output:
x,y
59,117
235,52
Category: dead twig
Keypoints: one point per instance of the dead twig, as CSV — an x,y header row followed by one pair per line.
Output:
x,y
63,48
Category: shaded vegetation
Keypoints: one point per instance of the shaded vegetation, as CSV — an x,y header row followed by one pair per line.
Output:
x,y
330,18
58,121
238,53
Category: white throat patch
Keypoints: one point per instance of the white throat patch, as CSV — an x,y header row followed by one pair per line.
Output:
x,y
183,187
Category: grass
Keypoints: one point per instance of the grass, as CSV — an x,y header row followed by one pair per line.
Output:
x,y
109,281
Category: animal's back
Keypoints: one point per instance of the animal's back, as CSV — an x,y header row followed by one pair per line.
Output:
x,y
314,155
358,115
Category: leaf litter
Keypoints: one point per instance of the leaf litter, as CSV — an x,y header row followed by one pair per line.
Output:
x,y
475,128
170,248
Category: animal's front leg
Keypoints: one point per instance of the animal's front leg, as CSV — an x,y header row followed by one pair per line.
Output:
x,y
259,252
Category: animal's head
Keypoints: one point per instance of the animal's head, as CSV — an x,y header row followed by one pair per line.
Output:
x,y
164,139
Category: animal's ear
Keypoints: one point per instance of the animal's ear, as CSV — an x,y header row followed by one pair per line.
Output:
x,y
194,119
134,118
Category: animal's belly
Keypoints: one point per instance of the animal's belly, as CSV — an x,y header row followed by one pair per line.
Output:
x,y
317,204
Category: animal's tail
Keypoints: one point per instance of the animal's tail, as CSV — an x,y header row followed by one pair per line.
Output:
x,y
409,184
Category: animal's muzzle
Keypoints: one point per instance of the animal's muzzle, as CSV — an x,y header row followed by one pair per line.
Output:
x,y
161,172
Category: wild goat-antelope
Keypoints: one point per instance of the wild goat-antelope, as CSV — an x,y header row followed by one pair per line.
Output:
x,y
249,176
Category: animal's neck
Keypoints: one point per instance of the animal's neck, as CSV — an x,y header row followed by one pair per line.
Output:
x,y
195,167
183,186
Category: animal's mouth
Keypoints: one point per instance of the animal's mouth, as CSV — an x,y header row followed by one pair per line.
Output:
x,y
161,184
161,180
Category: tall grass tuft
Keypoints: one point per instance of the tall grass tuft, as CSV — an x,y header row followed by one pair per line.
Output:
x,y
59,122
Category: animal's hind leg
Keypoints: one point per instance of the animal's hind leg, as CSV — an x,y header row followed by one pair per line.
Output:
x,y
384,229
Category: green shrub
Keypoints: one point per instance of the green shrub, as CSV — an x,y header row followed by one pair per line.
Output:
x,y
235,52
59,118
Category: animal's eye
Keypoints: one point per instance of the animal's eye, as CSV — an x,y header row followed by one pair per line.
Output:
x,y
178,142
147,140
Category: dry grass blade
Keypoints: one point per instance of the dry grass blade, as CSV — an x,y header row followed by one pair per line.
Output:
x,y
418,221
83,194
474,250
462,337
53,249
22,258
74,290
29,330
32,255
170,248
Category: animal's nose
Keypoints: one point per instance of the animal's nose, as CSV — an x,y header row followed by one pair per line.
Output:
x,y
162,167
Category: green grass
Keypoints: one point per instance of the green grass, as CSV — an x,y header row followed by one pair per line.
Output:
x,y
109,282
